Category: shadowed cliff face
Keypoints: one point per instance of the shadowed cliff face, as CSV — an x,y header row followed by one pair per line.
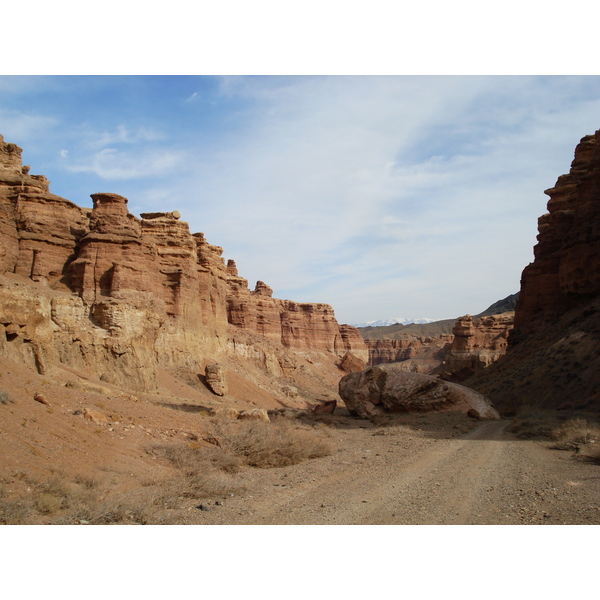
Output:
x,y
118,296
566,270
553,358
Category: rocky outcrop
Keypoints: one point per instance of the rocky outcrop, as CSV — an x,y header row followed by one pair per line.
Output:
x,y
553,357
215,379
299,326
385,389
477,343
421,354
118,296
38,230
351,363
566,269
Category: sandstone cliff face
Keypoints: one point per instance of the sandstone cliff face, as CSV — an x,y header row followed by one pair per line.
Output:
x,y
477,343
118,296
422,353
553,356
566,269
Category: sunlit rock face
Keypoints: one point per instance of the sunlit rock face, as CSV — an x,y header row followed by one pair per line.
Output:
x,y
119,296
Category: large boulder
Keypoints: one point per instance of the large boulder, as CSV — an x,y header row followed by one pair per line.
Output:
x,y
385,389
215,379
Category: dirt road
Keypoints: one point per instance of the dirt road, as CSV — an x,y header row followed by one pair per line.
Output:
x,y
434,475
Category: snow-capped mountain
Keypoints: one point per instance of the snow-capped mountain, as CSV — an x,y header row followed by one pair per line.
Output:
x,y
393,321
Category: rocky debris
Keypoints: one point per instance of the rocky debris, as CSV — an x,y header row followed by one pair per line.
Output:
x,y
254,414
473,414
41,399
4,398
384,389
228,413
95,416
325,408
351,363
215,379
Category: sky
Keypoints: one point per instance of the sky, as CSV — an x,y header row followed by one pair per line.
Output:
x,y
384,196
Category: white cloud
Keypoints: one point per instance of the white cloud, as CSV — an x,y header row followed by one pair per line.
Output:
x,y
112,164
343,183
380,195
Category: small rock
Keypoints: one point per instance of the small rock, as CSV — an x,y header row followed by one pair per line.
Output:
x,y
41,398
202,507
218,503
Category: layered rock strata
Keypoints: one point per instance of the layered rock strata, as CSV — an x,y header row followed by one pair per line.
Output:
x,y
117,296
477,343
423,354
553,357
566,269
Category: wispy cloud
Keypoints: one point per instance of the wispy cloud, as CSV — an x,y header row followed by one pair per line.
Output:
x,y
383,196
113,164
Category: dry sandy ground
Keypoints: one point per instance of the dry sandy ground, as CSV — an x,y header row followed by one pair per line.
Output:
x,y
389,476
430,469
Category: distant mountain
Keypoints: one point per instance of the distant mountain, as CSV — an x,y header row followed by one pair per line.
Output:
x,y
504,305
428,327
393,321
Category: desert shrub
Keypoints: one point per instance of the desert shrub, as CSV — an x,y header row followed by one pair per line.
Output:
x,y
278,444
15,512
573,434
532,422
204,472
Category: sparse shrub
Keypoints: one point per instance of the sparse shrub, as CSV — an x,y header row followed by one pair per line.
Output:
x,y
532,422
14,512
48,503
573,434
273,444
204,472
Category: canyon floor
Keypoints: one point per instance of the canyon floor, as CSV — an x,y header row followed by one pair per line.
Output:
x,y
435,474
59,467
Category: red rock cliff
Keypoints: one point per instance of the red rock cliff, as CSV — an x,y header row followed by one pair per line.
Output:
x,y
553,357
566,269
116,295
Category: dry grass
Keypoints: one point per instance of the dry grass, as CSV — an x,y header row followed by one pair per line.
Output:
x,y
530,423
199,473
574,434
276,444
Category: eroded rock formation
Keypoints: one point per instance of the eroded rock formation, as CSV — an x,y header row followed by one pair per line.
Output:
x,y
477,343
117,296
553,357
566,269
420,354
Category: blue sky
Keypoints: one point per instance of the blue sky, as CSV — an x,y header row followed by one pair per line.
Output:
x,y
385,196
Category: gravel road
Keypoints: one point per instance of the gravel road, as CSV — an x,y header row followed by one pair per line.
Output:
x,y
438,474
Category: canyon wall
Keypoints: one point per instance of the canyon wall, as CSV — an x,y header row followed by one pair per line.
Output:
x,y
421,354
553,357
117,296
477,343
